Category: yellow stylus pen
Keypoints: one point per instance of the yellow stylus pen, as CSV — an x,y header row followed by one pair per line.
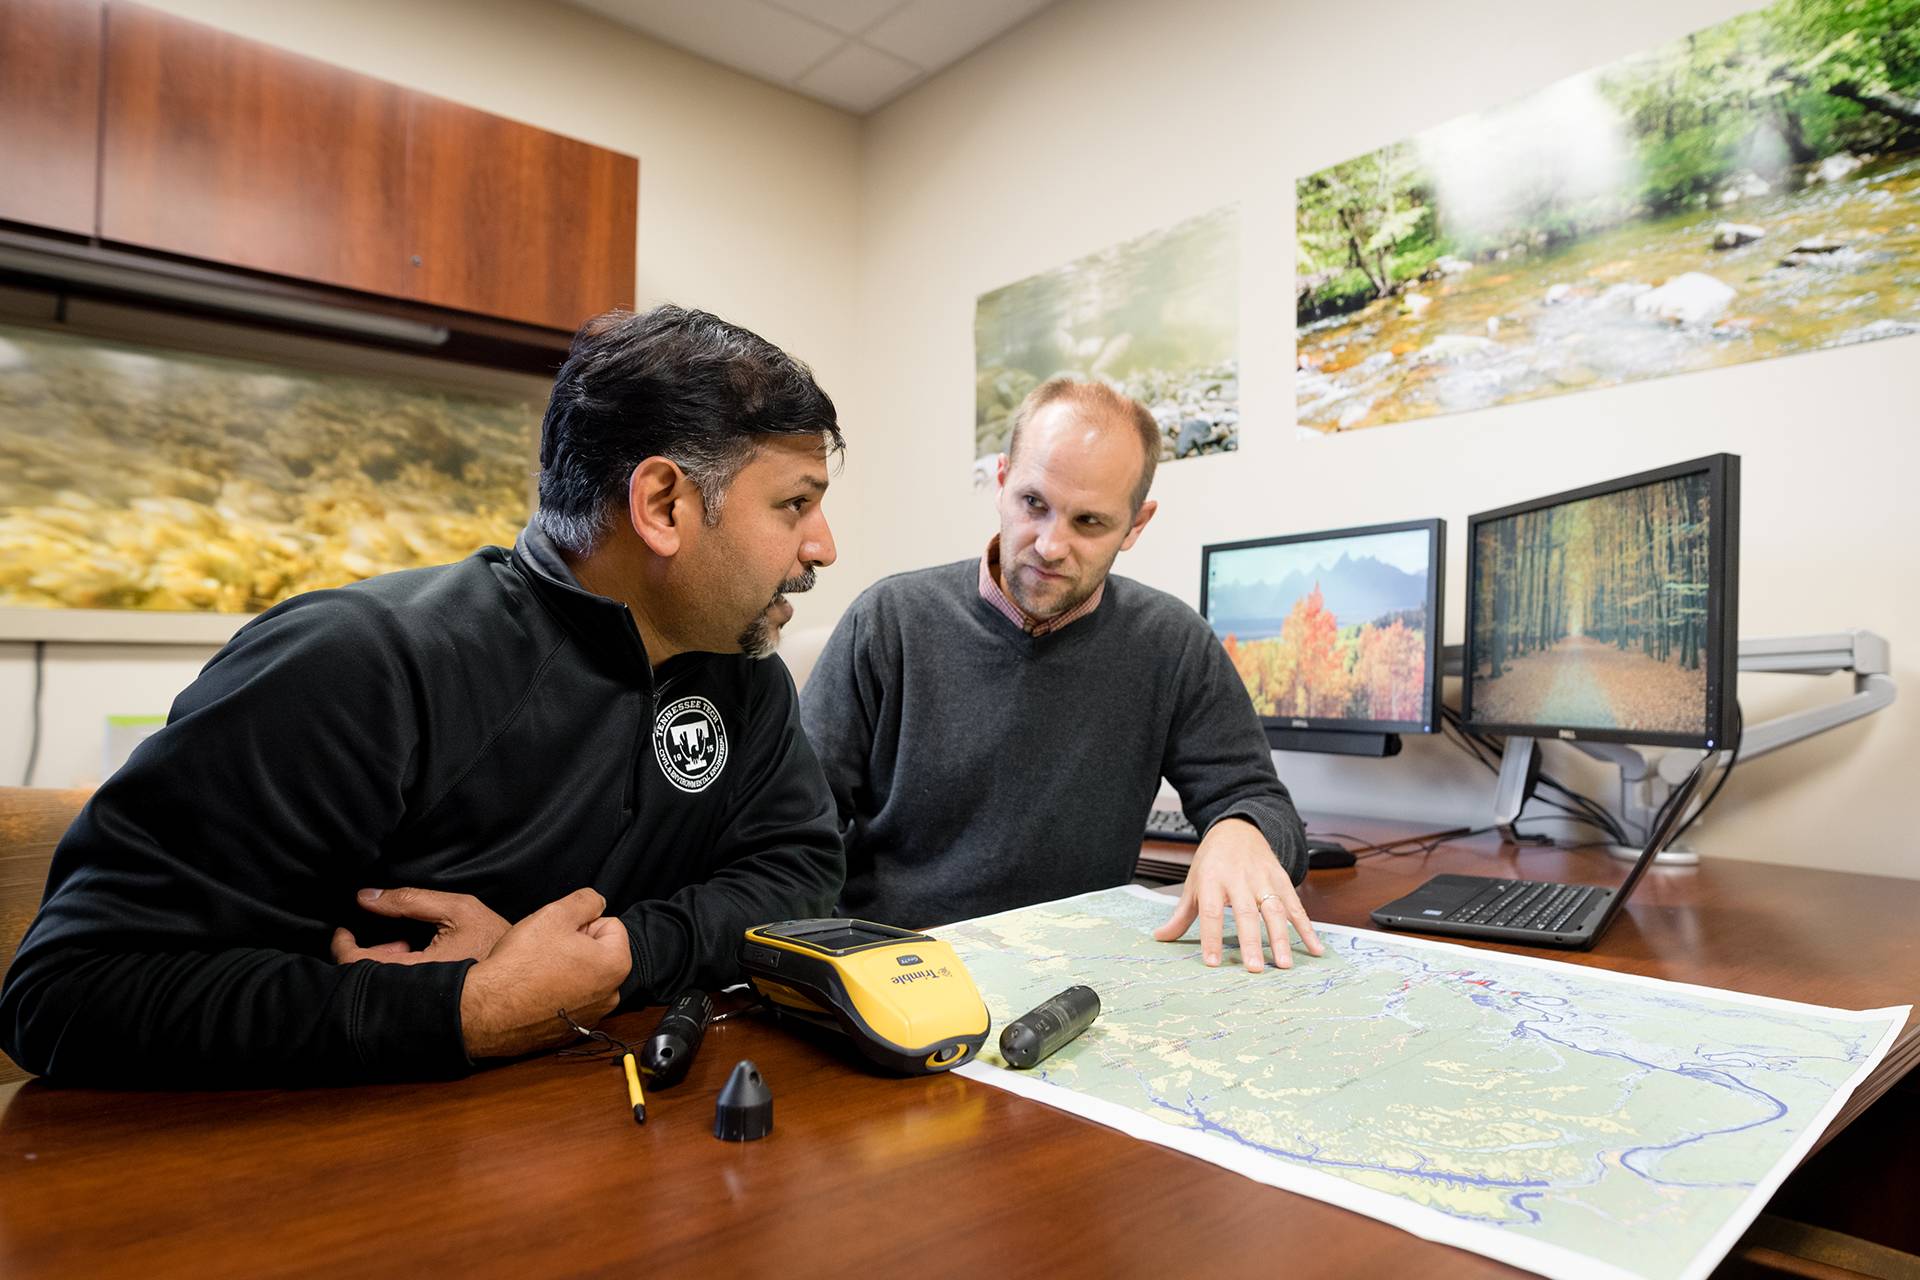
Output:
x,y
634,1095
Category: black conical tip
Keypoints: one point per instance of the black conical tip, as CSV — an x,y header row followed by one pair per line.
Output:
x,y
745,1107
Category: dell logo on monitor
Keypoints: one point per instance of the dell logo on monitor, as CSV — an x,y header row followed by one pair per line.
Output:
x,y
1298,724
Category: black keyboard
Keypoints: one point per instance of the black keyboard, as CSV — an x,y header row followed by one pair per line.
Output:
x,y
1170,824
1526,904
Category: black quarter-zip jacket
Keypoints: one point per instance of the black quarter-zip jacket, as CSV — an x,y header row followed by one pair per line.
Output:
x,y
486,727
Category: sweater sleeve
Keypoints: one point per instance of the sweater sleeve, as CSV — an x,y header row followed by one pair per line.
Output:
x,y
839,709
778,857
1217,755
183,938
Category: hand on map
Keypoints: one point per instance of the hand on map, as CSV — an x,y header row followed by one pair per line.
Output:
x,y
1235,867
465,927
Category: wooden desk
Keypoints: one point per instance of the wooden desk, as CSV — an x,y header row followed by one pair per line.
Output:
x,y
538,1169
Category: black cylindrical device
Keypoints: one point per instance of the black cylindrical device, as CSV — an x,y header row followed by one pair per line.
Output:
x,y
1032,1038
669,1051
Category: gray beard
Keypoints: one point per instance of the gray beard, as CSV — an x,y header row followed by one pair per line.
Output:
x,y
761,637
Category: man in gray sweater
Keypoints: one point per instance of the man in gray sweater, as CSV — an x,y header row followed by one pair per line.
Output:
x,y
994,731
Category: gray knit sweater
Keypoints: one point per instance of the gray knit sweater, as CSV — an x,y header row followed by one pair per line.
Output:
x,y
977,768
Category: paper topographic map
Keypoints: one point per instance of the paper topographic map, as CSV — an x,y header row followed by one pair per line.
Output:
x,y
1560,1118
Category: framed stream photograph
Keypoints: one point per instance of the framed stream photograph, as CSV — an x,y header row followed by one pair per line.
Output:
x,y
181,493
1749,191
1157,317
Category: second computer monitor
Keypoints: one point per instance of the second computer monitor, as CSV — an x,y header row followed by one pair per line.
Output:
x,y
1335,634
1608,612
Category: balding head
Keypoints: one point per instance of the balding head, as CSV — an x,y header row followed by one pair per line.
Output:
x,y
1094,405
1073,493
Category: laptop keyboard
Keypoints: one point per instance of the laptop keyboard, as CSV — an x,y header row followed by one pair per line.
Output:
x,y
1526,904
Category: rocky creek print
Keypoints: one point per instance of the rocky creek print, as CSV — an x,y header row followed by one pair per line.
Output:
x,y
140,478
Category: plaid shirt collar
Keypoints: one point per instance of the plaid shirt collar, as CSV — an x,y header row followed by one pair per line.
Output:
x,y
990,592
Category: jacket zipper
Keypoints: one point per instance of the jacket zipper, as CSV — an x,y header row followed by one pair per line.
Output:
x,y
643,735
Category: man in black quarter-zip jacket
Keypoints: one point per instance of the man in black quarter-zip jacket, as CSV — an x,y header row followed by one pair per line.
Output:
x,y
308,875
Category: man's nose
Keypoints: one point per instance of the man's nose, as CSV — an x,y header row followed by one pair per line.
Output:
x,y
818,549
1048,544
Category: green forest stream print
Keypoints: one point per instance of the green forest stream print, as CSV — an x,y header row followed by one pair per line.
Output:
x,y
1749,191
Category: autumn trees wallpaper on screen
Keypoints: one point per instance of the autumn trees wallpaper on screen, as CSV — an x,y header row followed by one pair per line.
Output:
x,y
1329,629
1593,614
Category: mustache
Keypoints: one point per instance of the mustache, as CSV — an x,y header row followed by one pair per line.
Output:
x,y
793,586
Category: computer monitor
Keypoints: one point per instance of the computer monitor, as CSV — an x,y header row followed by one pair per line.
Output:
x,y
1608,613
1336,634
1604,614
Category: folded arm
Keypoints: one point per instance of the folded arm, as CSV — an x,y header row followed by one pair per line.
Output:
x,y
184,935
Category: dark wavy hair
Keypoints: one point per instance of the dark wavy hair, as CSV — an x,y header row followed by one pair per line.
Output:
x,y
673,383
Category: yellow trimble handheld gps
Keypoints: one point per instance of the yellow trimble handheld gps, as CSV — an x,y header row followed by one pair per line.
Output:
x,y
904,999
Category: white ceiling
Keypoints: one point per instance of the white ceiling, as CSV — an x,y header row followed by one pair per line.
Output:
x,y
853,54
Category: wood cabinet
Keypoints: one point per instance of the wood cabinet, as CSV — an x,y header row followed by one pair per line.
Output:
x,y
225,150
509,220
49,112
231,151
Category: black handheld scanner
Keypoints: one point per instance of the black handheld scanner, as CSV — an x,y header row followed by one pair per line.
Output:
x,y
1034,1037
668,1052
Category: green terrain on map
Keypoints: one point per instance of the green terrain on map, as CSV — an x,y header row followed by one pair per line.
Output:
x,y
1625,1121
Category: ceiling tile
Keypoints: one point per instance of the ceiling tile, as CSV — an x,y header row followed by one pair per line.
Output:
x,y
849,16
744,34
933,33
858,78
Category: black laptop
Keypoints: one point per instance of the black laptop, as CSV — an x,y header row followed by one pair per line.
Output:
x,y
1538,912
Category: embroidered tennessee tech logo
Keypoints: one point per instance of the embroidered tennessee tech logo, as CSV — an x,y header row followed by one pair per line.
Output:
x,y
691,743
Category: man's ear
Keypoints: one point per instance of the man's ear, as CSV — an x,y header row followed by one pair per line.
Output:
x,y
1000,471
1140,519
656,497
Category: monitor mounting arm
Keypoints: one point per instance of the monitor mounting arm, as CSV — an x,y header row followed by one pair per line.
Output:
x,y
1645,785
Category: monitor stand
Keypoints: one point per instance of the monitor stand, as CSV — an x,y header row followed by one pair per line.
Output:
x,y
1520,773
1634,812
1339,742
1645,785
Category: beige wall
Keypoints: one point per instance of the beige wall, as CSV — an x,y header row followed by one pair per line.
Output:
x,y
1101,119
862,245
